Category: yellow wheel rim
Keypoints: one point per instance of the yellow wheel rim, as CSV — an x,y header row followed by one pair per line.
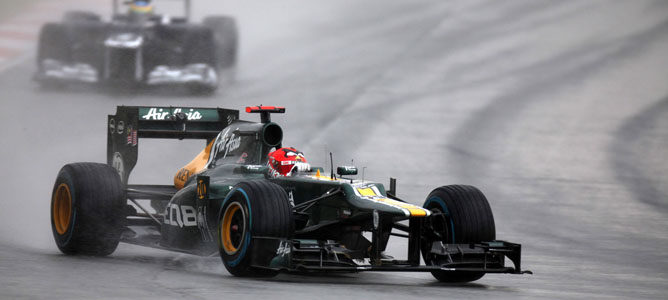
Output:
x,y
233,228
62,208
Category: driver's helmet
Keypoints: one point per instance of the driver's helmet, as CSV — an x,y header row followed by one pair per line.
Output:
x,y
284,161
141,7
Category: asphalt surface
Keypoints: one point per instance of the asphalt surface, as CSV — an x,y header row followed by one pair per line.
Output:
x,y
557,110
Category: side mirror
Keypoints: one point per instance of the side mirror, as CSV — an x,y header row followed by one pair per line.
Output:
x,y
346,170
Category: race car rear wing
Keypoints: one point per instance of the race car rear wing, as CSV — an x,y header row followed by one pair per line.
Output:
x,y
130,123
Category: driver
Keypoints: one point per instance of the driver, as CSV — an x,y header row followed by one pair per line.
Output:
x,y
140,7
284,161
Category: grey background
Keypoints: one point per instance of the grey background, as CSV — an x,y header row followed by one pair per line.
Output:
x,y
555,109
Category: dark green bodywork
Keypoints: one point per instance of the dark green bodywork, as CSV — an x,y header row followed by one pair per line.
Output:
x,y
239,153
326,218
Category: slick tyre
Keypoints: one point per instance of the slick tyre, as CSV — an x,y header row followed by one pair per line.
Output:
x,y
199,46
252,209
466,217
53,44
53,47
226,39
87,209
200,49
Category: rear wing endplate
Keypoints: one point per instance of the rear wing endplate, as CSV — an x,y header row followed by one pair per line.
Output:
x,y
130,123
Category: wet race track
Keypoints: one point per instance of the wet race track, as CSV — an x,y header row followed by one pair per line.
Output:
x,y
557,110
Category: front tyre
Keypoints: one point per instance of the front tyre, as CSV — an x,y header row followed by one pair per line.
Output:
x,y
87,209
53,44
252,208
53,51
461,215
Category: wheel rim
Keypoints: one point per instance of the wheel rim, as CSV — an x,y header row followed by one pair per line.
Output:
x,y
443,226
62,208
438,225
233,228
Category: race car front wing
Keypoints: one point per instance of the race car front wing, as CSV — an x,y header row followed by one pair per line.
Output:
x,y
319,256
61,72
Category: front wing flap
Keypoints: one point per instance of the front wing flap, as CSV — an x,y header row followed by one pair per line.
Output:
x,y
320,256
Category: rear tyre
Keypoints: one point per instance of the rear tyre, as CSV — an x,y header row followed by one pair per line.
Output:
x,y
87,209
226,39
466,218
199,47
252,208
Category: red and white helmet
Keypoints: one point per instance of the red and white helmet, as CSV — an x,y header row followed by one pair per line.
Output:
x,y
284,160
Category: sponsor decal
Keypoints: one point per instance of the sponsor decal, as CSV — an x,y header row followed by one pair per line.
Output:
x,y
230,119
120,128
226,143
242,158
349,168
183,175
201,189
202,224
180,215
344,213
132,136
165,114
117,163
274,173
284,248
112,126
232,144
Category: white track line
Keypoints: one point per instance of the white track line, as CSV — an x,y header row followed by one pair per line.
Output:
x,y
15,43
6,64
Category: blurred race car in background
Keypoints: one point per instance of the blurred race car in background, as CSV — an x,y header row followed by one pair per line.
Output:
x,y
138,47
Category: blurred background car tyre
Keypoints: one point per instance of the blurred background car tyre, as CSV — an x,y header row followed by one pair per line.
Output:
x,y
226,38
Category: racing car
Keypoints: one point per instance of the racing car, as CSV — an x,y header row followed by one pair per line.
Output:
x,y
263,208
136,48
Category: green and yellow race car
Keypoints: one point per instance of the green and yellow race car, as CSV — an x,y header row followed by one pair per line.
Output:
x,y
263,208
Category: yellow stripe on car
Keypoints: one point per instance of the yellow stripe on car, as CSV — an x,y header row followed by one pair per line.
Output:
x,y
372,193
414,211
366,192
